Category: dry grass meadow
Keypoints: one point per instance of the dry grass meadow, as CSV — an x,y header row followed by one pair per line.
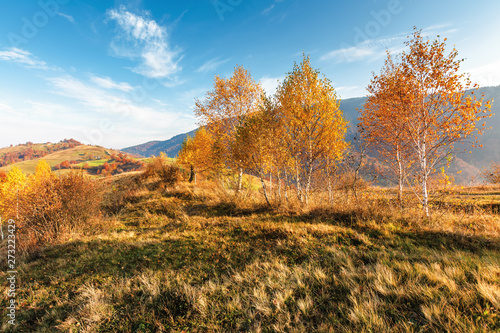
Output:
x,y
197,258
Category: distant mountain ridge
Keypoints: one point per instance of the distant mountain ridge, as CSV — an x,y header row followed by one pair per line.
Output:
x,y
469,164
171,147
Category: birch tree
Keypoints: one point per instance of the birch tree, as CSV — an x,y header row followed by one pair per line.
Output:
x,y
382,121
225,108
436,111
313,124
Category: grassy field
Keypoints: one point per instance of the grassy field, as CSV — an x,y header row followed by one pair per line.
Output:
x,y
58,157
14,149
197,259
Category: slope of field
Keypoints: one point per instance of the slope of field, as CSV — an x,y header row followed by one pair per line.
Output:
x,y
30,151
197,259
82,152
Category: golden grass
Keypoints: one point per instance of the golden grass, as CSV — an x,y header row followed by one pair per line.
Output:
x,y
197,258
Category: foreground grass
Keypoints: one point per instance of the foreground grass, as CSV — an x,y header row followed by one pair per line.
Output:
x,y
194,260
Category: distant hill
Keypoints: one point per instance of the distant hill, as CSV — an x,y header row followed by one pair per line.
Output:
x,y
78,153
171,147
469,164
95,160
30,151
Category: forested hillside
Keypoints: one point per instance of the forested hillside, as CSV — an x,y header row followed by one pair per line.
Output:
x,y
170,147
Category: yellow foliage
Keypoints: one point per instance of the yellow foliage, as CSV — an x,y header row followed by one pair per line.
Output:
x,y
10,190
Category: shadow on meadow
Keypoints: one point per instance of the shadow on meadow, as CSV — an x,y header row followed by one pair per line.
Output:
x,y
178,263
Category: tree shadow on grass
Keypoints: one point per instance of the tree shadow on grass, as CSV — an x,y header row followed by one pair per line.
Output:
x,y
226,209
445,240
432,239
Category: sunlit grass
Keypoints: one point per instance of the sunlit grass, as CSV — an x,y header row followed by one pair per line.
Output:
x,y
196,258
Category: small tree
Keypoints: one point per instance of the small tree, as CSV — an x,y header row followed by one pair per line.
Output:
x,y
435,111
225,108
382,121
492,173
313,125
198,153
10,192
256,143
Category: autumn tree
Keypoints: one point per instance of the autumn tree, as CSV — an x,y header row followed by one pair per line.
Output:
x,y
257,144
198,153
225,108
492,173
10,191
382,120
313,124
437,110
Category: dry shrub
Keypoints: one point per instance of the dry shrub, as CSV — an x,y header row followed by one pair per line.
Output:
x,y
492,173
347,182
164,174
56,207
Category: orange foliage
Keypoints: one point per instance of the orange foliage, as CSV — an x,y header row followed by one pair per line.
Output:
x,y
421,104
225,108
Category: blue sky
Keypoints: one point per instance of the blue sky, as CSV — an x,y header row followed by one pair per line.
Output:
x,y
120,73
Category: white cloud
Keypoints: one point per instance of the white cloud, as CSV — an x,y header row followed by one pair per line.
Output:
x,y
376,48
212,65
270,84
486,75
350,92
23,58
67,17
115,106
161,103
140,37
5,107
108,83
349,54
370,49
438,29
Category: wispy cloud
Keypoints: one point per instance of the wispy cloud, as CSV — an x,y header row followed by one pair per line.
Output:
x,y
376,48
23,57
108,83
270,84
161,103
67,17
368,50
5,107
45,109
439,29
114,105
349,54
267,11
212,64
141,37
350,91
